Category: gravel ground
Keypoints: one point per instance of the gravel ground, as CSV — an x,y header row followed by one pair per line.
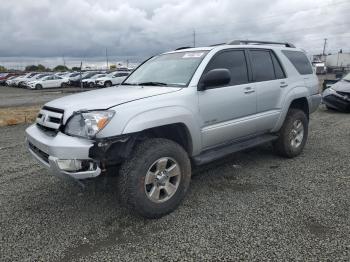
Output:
x,y
249,206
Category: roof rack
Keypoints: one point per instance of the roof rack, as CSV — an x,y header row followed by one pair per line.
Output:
x,y
254,42
183,47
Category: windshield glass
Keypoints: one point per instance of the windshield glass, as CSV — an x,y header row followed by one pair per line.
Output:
x,y
174,69
347,77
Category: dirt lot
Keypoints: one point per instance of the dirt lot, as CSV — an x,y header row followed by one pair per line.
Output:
x,y
19,105
250,206
13,97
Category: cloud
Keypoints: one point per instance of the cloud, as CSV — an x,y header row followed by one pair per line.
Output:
x,y
134,28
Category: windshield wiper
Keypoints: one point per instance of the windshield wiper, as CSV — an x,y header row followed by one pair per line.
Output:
x,y
152,84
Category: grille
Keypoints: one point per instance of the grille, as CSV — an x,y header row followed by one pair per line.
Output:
x,y
49,119
39,153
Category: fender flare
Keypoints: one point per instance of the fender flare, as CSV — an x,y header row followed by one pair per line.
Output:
x,y
166,116
293,94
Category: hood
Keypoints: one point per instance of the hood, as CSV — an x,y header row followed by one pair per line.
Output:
x,y
107,97
342,86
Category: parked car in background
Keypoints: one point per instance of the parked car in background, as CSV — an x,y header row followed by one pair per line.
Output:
x,y
25,83
10,81
74,78
50,81
111,79
338,95
5,76
90,82
27,76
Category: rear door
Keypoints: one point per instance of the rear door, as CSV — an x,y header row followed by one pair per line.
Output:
x,y
270,83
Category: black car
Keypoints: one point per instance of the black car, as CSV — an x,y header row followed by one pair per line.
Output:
x,y
338,95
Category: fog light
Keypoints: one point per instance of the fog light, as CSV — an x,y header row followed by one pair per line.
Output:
x,y
69,164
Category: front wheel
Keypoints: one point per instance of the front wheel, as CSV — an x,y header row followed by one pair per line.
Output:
x,y
108,84
155,179
38,86
293,134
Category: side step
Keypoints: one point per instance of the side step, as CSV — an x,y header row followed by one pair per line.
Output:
x,y
221,151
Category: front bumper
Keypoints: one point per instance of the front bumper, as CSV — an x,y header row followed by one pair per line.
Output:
x,y
49,150
335,100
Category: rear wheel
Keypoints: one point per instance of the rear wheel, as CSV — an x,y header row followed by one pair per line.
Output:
x,y
293,134
38,86
154,181
64,85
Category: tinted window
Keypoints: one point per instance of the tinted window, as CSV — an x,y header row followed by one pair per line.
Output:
x,y
300,61
262,65
235,62
278,69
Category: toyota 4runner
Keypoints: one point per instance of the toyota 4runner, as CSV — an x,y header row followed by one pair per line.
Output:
x,y
178,109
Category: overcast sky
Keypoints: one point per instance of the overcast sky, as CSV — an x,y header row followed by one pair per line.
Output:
x,y
140,28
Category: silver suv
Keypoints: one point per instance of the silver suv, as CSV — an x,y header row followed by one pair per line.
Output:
x,y
176,110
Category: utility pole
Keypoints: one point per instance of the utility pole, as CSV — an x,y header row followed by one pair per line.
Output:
x,y
194,38
324,47
64,60
107,59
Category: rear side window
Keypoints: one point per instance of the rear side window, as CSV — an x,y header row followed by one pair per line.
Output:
x,y
300,61
233,60
262,65
279,73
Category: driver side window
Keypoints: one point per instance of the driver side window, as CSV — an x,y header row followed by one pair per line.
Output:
x,y
234,61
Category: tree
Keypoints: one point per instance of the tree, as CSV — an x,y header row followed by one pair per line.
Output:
x,y
2,68
36,68
61,68
76,68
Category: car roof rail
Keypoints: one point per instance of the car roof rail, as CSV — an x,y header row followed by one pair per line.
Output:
x,y
257,42
183,47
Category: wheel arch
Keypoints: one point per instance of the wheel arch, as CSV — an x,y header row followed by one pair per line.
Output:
x,y
296,98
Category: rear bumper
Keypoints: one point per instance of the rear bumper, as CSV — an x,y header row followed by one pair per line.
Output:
x,y
50,150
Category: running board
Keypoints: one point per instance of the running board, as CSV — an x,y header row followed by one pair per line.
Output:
x,y
221,151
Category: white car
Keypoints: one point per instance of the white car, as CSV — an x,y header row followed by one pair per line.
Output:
x,y
24,83
51,81
111,79
23,78
90,82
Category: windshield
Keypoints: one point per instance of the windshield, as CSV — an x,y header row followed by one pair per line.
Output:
x,y
347,77
174,69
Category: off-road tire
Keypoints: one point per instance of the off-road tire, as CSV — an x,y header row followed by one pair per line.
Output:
x,y
282,145
38,86
132,173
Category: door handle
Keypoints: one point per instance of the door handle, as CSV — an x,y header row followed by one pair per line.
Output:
x,y
283,84
248,90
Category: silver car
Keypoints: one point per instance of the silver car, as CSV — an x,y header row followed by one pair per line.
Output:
x,y
178,109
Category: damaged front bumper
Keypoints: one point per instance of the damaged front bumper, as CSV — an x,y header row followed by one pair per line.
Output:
x,y
74,157
336,100
65,156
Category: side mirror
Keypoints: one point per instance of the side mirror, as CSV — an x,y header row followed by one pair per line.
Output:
x,y
214,78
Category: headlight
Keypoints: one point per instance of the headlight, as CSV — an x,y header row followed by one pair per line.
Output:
x,y
88,124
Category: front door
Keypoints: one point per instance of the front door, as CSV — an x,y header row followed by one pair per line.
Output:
x,y
227,112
